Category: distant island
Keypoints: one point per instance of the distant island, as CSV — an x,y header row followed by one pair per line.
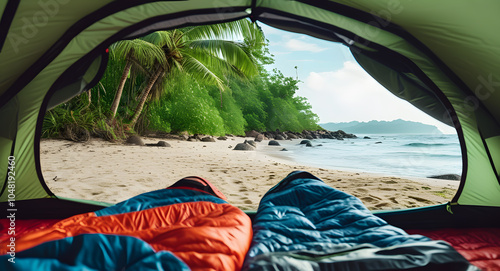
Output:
x,y
398,126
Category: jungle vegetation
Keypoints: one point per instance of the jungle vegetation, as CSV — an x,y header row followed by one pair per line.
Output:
x,y
209,79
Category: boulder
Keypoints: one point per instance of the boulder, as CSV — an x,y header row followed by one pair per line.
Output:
x,y
243,147
305,141
291,135
274,143
162,143
279,137
453,177
259,138
208,139
251,142
184,135
222,138
309,144
135,140
252,133
269,135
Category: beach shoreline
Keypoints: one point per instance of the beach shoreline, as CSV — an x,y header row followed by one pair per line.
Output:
x,y
112,172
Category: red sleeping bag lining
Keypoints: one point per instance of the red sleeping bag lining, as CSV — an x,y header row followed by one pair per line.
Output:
x,y
480,246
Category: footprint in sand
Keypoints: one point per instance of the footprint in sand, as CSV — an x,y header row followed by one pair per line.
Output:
x,y
393,199
419,199
383,204
362,190
369,200
96,193
246,200
375,197
389,182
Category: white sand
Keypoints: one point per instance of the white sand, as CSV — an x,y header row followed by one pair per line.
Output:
x,y
112,172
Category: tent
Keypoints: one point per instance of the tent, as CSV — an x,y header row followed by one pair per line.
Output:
x,y
442,57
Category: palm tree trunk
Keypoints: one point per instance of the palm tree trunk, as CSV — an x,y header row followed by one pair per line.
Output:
x,y
144,97
119,91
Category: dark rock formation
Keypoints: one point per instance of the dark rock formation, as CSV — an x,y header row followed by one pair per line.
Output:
x,y
274,143
251,142
291,135
279,137
305,141
135,140
160,143
208,139
453,177
252,133
244,147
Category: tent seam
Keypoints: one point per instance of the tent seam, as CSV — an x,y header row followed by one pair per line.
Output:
x,y
7,17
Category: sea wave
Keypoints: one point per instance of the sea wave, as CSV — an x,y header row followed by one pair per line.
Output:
x,y
419,144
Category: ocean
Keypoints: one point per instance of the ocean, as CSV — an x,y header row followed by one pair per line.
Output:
x,y
391,154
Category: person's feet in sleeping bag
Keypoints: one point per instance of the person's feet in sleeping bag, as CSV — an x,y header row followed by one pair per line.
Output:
x,y
304,224
198,184
189,224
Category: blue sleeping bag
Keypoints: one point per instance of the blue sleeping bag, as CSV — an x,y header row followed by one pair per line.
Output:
x,y
304,224
93,252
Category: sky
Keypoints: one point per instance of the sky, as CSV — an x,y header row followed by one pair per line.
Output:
x,y
337,88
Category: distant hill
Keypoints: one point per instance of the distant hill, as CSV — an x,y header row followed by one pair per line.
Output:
x,y
398,126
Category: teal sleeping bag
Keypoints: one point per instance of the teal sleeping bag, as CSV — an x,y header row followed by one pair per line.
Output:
x,y
304,224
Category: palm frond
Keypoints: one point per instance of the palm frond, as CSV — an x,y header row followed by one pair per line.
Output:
x,y
146,53
228,51
162,38
228,31
200,71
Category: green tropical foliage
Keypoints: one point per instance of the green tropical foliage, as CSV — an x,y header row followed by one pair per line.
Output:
x,y
197,79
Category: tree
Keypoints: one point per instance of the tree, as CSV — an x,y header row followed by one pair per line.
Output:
x,y
137,52
209,53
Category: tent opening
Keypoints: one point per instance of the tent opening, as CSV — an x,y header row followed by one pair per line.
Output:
x,y
190,125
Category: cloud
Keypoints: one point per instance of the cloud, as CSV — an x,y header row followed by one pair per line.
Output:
x,y
351,94
299,45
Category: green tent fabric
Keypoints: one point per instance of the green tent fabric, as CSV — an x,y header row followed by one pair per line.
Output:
x,y
443,57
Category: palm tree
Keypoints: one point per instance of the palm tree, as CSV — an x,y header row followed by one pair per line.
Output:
x,y
139,53
208,53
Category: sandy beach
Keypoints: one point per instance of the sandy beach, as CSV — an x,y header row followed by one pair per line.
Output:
x,y
112,172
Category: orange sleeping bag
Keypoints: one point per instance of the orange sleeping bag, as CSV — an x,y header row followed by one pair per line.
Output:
x,y
202,230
